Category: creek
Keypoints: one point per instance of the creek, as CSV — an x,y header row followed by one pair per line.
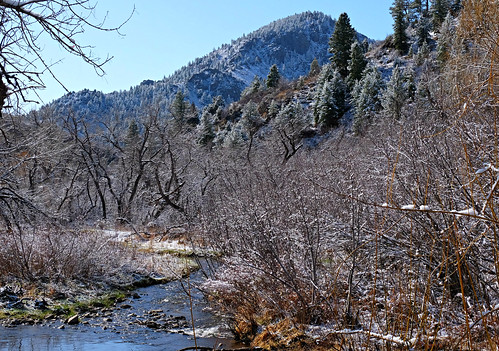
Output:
x,y
158,318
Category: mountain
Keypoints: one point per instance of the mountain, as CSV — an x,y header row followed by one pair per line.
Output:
x,y
291,43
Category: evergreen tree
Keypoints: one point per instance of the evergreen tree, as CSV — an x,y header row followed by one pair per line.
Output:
x,y
217,104
290,123
273,110
192,115
331,104
178,108
254,87
327,73
251,120
423,53
273,77
395,95
423,29
314,68
205,130
292,120
132,135
455,8
366,98
340,44
234,136
400,39
439,10
410,83
365,45
445,40
357,63
414,11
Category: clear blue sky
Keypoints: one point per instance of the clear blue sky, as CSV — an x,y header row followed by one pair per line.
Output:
x,y
164,35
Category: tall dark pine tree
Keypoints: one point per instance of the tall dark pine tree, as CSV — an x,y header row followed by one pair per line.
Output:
x,y
414,11
455,8
357,63
273,77
423,29
439,10
400,40
340,44
178,107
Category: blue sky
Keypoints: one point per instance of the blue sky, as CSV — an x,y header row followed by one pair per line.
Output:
x,y
164,35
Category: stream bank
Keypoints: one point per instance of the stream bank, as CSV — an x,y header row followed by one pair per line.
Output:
x,y
146,311
156,317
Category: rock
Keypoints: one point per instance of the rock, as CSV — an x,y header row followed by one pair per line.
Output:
x,y
135,295
73,320
125,306
41,305
10,294
153,325
61,327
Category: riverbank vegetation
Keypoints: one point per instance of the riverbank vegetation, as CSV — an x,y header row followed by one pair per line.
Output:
x,y
376,229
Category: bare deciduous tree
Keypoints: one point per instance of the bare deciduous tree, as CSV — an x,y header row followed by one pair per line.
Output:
x,y
25,25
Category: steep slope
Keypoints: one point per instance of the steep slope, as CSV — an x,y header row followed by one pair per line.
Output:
x,y
291,43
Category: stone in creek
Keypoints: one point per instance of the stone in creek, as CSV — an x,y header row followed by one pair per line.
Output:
x,y
73,320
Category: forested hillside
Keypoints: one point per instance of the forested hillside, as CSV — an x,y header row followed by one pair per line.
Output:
x,y
291,43
351,208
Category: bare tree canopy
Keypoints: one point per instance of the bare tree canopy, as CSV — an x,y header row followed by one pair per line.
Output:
x,y
23,27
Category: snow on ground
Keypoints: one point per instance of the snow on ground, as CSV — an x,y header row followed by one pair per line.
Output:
x,y
153,242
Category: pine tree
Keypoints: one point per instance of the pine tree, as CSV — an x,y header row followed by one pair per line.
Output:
x,y
340,44
132,133
178,108
395,95
357,63
423,54
234,137
205,129
445,40
216,108
439,10
423,29
400,39
455,8
273,77
366,98
331,103
273,110
254,87
314,68
414,11
292,120
326,74
251,120
290,123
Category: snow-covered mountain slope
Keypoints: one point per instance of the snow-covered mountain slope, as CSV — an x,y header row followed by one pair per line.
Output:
x,y
291,43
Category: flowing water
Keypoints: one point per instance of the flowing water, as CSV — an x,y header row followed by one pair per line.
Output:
x,y
127,329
